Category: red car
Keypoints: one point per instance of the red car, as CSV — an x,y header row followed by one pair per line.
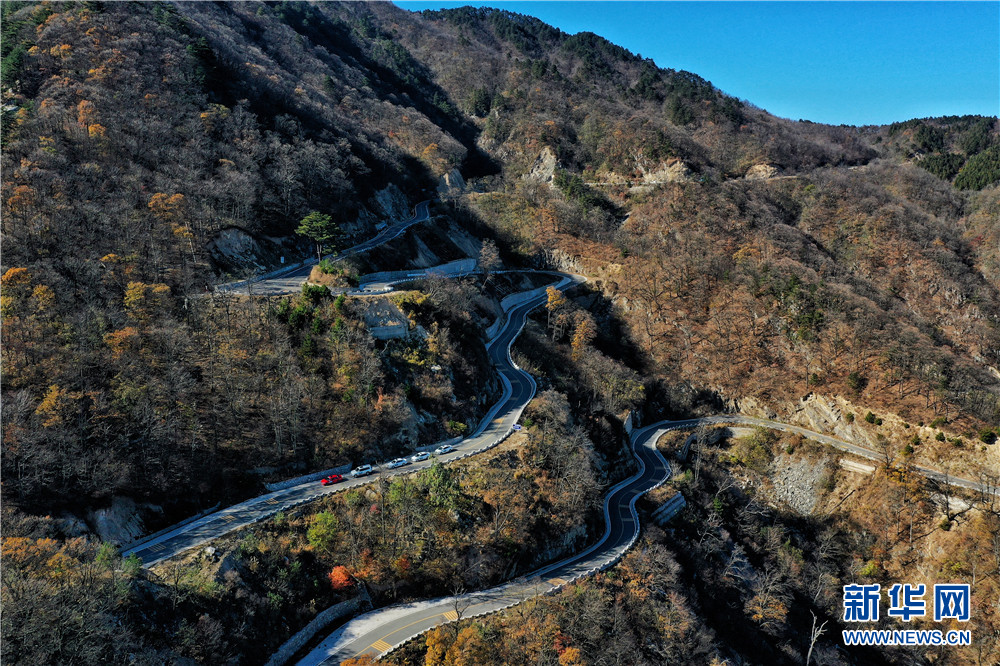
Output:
x,y
332,479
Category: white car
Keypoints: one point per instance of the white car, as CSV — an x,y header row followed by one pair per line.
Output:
x,y
364,470
417,457
398,462
446,448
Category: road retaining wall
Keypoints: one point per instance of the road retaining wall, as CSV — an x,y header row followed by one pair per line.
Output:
x,y
150,537
458,266
319,623
315,476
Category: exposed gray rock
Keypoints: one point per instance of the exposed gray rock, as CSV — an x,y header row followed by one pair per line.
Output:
x,y
673,172
451,183
544,168
120,523
796,482
72,526
235,246
392,204
761,172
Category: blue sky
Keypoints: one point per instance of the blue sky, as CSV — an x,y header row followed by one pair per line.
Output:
x,y
854,63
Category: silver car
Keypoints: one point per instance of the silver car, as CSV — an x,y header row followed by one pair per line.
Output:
x,y
364,470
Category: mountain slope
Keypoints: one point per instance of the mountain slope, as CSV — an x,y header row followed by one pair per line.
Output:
x,y
737,259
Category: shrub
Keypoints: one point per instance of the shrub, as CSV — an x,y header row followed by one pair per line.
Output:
x,y
869,417
908,450
340,578
987,436
939,437
938,422
870,569
849,417
314,293
856,382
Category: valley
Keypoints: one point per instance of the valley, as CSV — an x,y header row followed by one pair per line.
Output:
x,y
683,369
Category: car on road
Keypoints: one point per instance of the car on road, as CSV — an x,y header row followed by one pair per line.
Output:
x,y
398,462
332,479
417,457
364,470
444,448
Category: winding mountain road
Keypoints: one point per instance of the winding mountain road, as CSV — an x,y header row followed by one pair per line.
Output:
x,y
380,631
739,419
292,279
519,388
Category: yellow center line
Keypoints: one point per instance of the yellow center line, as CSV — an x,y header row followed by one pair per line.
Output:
x,y
423,619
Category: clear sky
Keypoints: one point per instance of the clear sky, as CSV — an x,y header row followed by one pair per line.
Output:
x,y
850,63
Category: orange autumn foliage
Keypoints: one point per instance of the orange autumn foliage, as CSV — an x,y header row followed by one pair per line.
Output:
x,y
340,578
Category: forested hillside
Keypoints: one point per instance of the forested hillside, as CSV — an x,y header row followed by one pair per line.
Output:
x,y
737,261
765,256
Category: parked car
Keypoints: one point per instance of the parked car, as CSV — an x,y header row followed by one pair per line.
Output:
x,y
417,457
445,448
398,462
364,470
332,479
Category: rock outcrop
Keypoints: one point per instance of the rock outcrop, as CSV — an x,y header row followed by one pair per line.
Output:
x,y
120,523
451,183
674,171
544,168
761,172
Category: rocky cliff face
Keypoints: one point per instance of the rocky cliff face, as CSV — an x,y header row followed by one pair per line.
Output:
x,y
451,183
544,168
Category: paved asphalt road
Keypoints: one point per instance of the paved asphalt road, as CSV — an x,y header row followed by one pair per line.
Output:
x,y
292,279
737,419
379,631
382,630
519,388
